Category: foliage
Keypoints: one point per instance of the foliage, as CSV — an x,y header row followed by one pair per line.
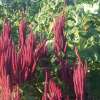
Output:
x,y
82,28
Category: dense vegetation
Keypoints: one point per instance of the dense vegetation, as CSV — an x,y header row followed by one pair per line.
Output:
x,y
82,29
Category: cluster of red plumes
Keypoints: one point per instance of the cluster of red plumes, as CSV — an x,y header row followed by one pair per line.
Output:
x,y
52,91
17,66
73,75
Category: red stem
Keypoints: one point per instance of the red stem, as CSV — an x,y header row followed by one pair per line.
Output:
x,y
46,84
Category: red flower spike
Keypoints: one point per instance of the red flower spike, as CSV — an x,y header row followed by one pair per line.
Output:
x,y
79,77
6,29
59,38
8,63
51,90
22,26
